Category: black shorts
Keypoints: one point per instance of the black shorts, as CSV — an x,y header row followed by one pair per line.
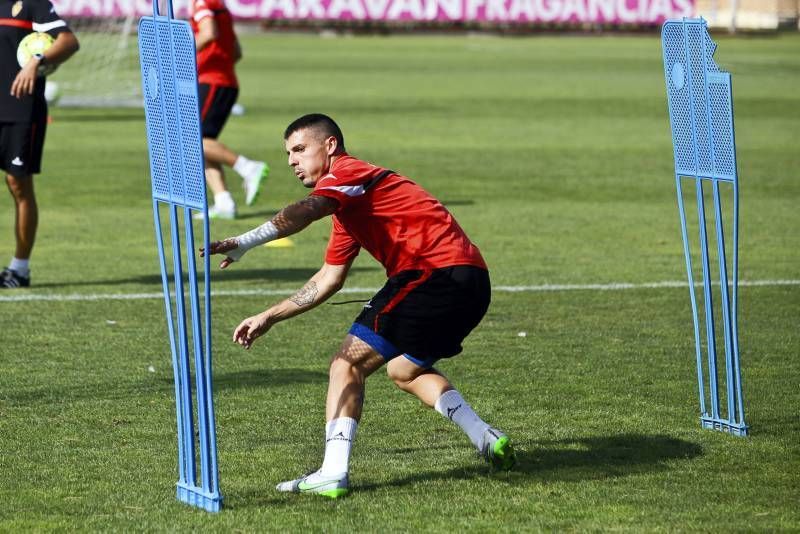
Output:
x,y
425,315
21,146
216,103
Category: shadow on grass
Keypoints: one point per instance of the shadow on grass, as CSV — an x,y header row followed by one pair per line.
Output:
x,y
574,460
106,115
777,426
284,275
271,378
604,456
264,378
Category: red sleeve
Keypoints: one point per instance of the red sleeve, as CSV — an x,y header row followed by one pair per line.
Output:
x,y
341,246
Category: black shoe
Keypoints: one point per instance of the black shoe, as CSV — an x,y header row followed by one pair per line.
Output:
x,y
10,279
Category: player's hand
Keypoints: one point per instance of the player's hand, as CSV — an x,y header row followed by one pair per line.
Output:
x,y
251,328
221,247
26,79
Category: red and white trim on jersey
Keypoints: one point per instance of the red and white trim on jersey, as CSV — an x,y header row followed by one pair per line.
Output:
x,y
349,190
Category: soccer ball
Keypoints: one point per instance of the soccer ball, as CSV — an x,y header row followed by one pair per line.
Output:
x,y
52,92
35,43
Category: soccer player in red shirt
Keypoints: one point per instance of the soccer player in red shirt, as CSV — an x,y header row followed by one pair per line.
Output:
x,y
217,51
437,292
23,117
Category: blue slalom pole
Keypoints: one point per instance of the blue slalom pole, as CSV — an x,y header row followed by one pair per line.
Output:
x,y
182,474
692,296
169,82
700,103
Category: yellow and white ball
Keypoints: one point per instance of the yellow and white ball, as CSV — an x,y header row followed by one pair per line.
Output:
x,y
32,44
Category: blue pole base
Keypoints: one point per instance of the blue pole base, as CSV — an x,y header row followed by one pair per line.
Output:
x,y
194,496
737,429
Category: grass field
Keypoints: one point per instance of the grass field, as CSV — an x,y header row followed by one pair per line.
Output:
x,y
555,155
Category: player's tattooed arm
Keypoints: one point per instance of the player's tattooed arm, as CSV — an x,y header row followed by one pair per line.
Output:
x,y
288,221
297,216
327,281
307,295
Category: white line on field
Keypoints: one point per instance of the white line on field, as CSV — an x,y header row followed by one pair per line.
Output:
x,y
620,286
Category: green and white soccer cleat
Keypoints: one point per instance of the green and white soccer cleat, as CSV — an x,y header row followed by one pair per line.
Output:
x,y
497,450
217,213
252,184
328,486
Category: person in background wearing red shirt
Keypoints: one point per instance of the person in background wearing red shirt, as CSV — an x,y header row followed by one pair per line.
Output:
x,y
437,291
217,51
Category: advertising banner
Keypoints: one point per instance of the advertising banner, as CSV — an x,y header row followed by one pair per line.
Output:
x,y
610,12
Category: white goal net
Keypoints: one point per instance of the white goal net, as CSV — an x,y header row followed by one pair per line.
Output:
x,y
105,71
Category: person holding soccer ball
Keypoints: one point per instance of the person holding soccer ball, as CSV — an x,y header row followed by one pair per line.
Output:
x,y
437,291
218,50
23,112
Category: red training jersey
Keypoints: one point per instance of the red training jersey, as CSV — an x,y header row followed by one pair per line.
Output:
x,y
403,226
215,62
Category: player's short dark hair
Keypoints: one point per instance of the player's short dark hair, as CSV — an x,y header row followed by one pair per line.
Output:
x,y
322,123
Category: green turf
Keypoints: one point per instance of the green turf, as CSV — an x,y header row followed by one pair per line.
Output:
x,y
554,153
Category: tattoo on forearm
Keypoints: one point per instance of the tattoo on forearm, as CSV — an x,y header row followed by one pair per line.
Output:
x,y
307,295
297,216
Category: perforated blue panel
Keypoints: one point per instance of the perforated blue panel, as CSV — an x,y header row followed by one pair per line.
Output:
x,y
152,102
169,83
680,108
695,44
700,103
720,95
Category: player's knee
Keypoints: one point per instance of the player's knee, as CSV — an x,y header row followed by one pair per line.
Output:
x,y
342,368
21,188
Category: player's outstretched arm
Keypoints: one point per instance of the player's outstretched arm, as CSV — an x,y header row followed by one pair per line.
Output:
x,y
290,220
327,281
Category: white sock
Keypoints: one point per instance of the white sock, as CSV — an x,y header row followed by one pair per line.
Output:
x,y
453,406
244,166
224,201
20,266
339,436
